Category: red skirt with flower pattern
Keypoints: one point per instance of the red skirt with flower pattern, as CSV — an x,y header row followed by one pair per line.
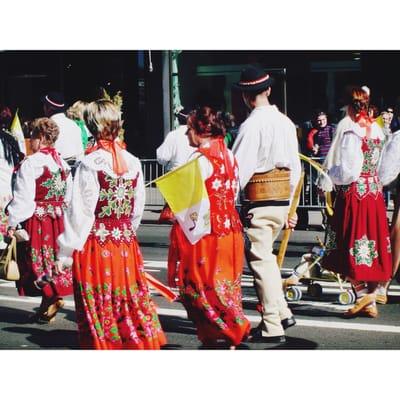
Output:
x,y
358,241
113,304
36,258
209,280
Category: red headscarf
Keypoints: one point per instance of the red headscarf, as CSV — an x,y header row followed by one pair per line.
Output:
x,y
114,147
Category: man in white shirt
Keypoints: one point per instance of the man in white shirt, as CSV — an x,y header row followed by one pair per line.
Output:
x,y
172,153
175,150
69,142
266,141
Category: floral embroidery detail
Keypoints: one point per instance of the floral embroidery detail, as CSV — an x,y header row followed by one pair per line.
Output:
x,y
56,185
118,231
49,209
118,197
110,313
227,223
364,251
372,150
216,184
102,232
221,186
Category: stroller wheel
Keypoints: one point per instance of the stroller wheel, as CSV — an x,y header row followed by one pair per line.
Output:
x,y
293,293
347,297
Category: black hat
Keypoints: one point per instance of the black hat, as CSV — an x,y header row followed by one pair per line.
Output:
x,y
253,79
55,100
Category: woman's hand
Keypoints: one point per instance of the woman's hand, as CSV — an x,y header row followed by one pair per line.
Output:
x,y
10,231
58,268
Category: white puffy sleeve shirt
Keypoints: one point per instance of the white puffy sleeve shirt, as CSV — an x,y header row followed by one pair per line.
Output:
x,y
79,217
23,205
389,167
267,140
345,158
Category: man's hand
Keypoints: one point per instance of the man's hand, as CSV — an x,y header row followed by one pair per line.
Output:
x,y
291,222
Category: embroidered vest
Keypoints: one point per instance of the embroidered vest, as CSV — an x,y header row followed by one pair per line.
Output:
x,y
221,186
114,209
50,191
368,183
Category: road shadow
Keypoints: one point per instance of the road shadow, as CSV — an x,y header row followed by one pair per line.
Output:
x,y
15,316
241,346
177,325
48,339
154,244
292,343
305,310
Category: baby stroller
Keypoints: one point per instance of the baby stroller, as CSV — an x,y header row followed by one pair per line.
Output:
x,y
309,272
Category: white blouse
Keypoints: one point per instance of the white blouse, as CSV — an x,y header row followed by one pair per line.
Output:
x,y
23,204
345,157
389,167
79,217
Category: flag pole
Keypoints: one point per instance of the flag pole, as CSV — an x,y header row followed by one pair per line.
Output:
x,y
172,172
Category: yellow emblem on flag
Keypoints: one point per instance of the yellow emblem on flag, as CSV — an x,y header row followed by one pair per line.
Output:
x,y
18,133
185,192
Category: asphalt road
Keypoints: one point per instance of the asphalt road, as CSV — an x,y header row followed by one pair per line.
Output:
x,y
320,324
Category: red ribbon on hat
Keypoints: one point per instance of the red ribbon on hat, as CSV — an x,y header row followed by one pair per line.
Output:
x,y
248,83
114,147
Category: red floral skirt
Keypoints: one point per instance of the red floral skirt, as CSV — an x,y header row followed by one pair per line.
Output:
x,y
113,304
36,259
209,279
358,241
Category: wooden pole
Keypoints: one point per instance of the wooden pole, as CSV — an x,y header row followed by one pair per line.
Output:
x,y
292,211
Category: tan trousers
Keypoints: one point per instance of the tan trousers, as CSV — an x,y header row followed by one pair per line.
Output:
x,y
265,225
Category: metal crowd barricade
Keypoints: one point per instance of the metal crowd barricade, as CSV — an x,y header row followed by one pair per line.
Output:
x,y
309,199
152,170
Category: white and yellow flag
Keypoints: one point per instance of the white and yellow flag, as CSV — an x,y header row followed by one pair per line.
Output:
x,y
185,192
18,133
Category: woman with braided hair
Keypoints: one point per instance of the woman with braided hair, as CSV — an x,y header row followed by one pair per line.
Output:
x,y
358,242
208,273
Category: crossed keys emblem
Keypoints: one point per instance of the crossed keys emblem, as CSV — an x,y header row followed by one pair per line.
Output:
x,y
194,216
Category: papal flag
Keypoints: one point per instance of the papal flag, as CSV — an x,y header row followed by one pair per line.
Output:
x,y
18,133
185,192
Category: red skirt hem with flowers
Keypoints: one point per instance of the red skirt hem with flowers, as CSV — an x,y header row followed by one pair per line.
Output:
x,y
113,304
36,258
209,281
358,241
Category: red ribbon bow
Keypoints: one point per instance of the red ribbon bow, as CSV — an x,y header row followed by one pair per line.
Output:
x,y
54,153
114,147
